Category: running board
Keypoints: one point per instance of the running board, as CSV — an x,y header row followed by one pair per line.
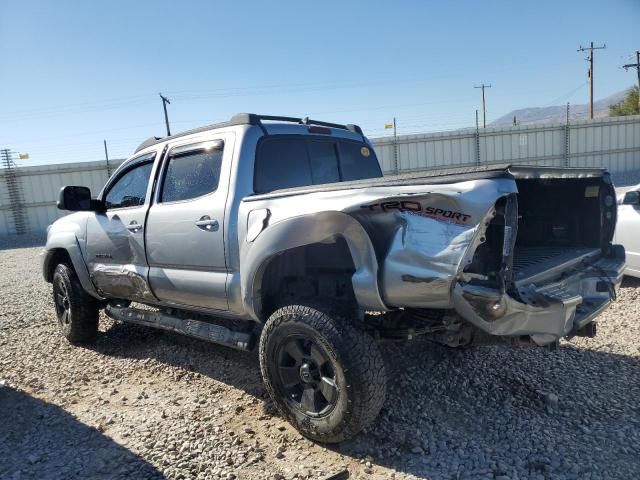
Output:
x,y
209,332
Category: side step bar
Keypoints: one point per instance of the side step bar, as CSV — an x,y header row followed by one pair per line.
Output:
x,y
209,332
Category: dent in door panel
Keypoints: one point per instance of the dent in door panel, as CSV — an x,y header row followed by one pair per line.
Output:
x,y
115,256
126,281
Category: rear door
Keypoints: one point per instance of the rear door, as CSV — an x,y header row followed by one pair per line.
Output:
x,y
185,226
115,253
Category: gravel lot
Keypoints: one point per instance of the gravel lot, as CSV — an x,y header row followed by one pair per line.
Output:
x,y
147,404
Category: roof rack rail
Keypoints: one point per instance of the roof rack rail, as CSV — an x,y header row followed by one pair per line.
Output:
x,y
255,119
250,119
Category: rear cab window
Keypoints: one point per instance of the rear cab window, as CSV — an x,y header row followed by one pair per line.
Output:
x,y
288,161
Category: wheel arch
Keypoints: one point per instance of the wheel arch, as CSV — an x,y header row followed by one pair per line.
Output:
x,y
307,231
53,258
65,248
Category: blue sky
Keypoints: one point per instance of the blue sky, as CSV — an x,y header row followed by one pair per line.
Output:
x,y
77,72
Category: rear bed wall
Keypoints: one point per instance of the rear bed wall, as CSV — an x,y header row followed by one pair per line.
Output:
x,y
559,212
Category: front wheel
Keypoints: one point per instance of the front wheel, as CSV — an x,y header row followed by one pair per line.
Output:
x,y
324,375
76,310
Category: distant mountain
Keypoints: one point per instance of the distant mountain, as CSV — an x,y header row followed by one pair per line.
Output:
x,y
558,113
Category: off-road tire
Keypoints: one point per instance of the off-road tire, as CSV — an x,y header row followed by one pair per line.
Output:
x,y
357,365
80,323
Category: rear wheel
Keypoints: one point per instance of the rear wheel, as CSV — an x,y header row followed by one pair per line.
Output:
x,y
325,376
77,311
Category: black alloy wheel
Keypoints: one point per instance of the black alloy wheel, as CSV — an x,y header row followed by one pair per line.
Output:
x,y
62,303
306,374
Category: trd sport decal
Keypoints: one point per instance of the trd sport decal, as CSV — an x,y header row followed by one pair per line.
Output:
x,y
415,208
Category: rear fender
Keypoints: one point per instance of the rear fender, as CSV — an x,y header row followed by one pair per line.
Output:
x,y
299,231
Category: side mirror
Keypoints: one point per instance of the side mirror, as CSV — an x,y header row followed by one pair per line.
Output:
x,y
78,199
631,198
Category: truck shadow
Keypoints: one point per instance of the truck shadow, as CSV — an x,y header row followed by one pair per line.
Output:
x,y
461,413
630,282
41,440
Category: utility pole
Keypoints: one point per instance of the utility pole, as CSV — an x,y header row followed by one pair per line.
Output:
x,y
477,140
165,100
590,60
106,156
484,108
637,66
395,147
567,139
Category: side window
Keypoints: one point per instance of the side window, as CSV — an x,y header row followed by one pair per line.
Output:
x,y
191,174
131,188
281,163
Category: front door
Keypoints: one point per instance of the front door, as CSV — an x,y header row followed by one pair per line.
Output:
x,y
115,253
185,227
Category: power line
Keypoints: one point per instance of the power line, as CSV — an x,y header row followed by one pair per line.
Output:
x,y
590,60
81,105
566,95
194,95
202,121
57,111
429,119
419,128
484,108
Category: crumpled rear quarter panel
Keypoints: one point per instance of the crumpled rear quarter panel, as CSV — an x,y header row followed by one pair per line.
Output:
x,y
421,233
423,238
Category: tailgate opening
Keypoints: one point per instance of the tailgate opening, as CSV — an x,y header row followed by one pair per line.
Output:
x,y
545,266
551,225
561,221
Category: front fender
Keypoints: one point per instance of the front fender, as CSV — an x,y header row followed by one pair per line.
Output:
x,y
305,230
68,242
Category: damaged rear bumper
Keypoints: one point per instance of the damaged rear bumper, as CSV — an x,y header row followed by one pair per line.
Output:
x,y
546,311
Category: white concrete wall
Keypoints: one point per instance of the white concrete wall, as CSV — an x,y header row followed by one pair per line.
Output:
x,y
41,185
613,143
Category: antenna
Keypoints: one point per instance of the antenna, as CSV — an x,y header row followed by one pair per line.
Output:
x,y
165,100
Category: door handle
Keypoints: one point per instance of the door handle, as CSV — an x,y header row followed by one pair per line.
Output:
x,y
206,223
134,227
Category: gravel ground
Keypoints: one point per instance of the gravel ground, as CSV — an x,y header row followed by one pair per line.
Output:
x,y
147,404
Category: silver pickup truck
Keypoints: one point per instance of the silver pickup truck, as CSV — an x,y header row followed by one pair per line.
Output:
x,y
284,231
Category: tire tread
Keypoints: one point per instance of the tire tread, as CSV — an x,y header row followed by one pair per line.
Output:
x,y
83,328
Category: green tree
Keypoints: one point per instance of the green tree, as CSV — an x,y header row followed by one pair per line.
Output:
x,y
627,106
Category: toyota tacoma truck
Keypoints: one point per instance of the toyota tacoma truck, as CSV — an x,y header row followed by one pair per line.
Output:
x,y
283,232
